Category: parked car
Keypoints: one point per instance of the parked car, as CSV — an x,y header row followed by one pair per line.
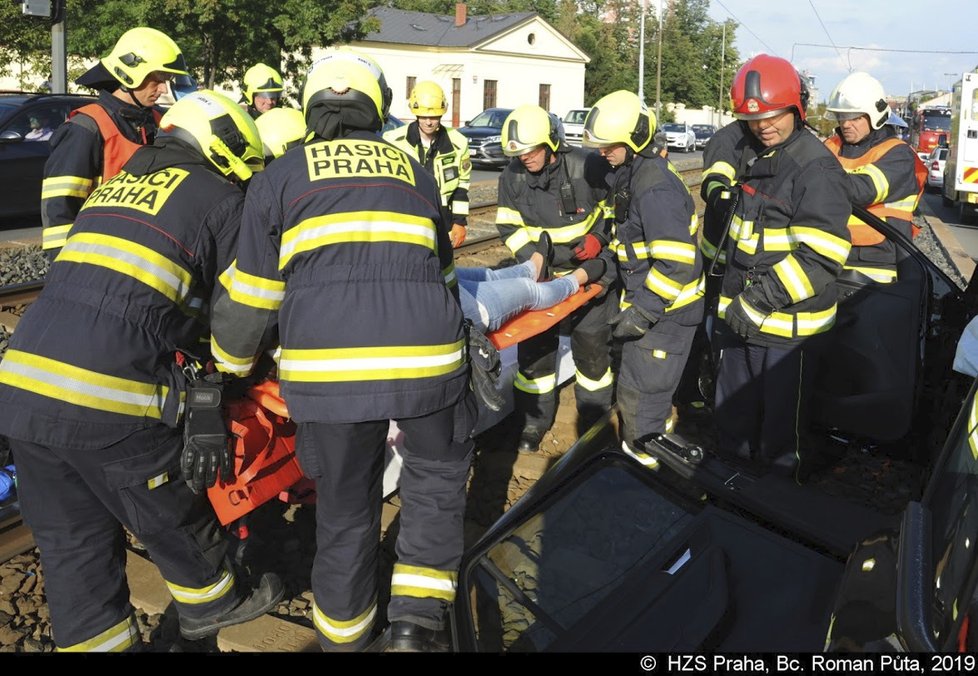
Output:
x,y
390,123
21,158
935,167
680,136
574,125
703,132
484,132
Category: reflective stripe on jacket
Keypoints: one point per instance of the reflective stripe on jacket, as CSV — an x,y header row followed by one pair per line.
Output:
x,y
344,256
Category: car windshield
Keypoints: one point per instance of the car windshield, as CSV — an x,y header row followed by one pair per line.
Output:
x,y
674,127
576,117
489,118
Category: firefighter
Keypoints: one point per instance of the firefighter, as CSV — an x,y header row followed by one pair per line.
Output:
x,y
281,130
100,137
441,150
725,159
344,251
660,268
261,89
786,246
554,188
884,173
91,391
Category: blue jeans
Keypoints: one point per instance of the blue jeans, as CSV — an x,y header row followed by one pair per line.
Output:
x,y
490,297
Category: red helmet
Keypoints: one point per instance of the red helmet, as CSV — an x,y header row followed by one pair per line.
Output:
x,y
766,85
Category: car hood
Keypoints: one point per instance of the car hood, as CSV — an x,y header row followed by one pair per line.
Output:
x,y
479,132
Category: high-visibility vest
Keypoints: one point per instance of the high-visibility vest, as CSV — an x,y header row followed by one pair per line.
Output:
x,y
116,148
862,233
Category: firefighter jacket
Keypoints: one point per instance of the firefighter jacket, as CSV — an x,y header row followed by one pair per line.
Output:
x,y
725,159
448,161
566,199
90,148
654,245
343,253
93,358
788,235
885,176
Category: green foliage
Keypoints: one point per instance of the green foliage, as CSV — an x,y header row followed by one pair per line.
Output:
x,y
22,39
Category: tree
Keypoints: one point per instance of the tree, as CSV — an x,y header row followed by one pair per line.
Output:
x,y
23,39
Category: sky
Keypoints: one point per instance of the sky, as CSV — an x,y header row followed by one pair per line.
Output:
x,y
785,28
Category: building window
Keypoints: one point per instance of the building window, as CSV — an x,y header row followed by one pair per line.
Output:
x,y
488,94
411,81
545,96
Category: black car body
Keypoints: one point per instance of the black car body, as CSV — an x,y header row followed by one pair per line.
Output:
x,y
484,133
704,132
703,554
22,160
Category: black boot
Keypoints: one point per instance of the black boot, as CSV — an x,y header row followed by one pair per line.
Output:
x,y
265,596
545,247
530,439
408,637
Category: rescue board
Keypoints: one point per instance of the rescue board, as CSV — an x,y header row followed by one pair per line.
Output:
x,y
533,322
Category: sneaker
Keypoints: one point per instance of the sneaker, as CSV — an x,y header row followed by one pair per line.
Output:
x,y
265,596
408,637
545,247
530,439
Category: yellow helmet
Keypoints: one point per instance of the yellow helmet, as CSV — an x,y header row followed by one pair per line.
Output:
x,y
261,79
427,100
619,117
280,129
529,127
354,82
141,51
217,127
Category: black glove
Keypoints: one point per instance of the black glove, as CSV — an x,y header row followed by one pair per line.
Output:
x,y
721,199
736,315
207,454
484,360
631,323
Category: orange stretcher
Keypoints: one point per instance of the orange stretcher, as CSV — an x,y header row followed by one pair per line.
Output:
x,y
529,324
265,464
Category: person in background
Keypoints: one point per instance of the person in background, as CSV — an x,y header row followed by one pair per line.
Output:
x,y
550,187
261,89
441,150
658,264
349,263
883,173
281,129
787,244
92,388
40,131
100,137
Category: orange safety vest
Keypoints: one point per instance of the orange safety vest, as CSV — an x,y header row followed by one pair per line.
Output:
x,y
116,148
862,233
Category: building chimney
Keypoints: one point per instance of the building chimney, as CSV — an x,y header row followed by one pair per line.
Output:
x,y
460,14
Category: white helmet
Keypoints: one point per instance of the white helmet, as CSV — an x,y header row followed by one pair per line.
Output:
x,y
859,94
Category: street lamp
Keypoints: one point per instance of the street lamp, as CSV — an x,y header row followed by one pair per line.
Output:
x,y
641,55
723,47
658,71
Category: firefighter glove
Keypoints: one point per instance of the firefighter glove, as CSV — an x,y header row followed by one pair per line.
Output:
x,y
736,315
484,360
631,323
589,248
207,454
457,235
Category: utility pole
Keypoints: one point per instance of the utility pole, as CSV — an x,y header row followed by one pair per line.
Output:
x,y
641,54
59,48
723,47
658,71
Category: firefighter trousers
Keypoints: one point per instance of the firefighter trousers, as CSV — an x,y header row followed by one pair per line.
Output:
x,y
762,397
536,381
347,462
77,502
650,371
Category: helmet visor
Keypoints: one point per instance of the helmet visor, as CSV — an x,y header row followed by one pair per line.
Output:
x,y
843,116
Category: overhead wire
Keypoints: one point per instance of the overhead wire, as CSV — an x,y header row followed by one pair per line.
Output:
x,y
817,16
747,28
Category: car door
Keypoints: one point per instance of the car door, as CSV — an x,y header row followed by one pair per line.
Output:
x,y
22,159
